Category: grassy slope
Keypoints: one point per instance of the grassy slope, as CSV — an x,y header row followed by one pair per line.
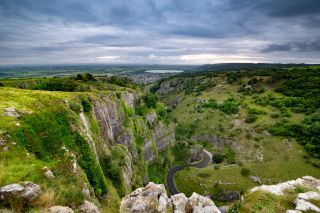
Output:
x,y
18,165
281,161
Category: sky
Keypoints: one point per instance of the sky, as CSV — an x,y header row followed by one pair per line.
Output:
x,y
159,31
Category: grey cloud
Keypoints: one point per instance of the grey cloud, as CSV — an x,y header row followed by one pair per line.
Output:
x,y
306,46
34,28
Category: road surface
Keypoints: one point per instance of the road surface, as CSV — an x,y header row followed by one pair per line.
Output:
x,y
206,160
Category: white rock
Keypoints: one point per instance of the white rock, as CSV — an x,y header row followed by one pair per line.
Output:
x,y
279,189
27,191
151,198
11,111
5,149
309,195
293,211
128,98
60,209
48,173
86,191
151,117
201,204
179,202
304,205
89,207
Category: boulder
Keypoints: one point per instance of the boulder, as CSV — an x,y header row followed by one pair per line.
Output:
x,y
48,173
224,209
60,209
151,198
179,202
26,191
11,111
303,204
200,204
85,191
89,207
151,117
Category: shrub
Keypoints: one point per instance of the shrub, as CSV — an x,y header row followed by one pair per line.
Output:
x,y
87,106
75,107
235,208
245,172
212,104
88,163
217,158
150,100
229,106
251,118
181,151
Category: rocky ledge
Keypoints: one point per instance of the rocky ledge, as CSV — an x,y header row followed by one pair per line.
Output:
x,y
303,200
154,198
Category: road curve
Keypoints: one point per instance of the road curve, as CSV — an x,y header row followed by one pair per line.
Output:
x,y
206,160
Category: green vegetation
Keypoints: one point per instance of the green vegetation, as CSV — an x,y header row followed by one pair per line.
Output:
x,y
244,121
229,106
91,168
50,132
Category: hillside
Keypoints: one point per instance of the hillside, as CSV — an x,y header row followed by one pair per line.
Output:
x,y
93,144
80,139
261,126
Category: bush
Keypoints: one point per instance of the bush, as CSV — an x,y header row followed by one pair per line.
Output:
x,y
229,106
251,118
88,163
150,100
245,172
217,158
87,106
181,152
212,104
57,85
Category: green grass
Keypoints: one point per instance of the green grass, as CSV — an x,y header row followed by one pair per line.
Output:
x,y
281,160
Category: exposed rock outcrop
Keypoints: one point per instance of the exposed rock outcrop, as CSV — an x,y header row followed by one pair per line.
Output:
x,y
280,188
89,207
12,112
302,201
129,98
25,192
153,198
60,209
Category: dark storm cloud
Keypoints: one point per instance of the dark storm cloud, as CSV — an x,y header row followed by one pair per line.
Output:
x,y
151,30
306,46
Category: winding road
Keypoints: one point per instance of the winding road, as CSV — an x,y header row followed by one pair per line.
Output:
x,y
206,160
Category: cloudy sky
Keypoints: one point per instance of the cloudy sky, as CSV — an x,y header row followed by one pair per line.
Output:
x,y
159,31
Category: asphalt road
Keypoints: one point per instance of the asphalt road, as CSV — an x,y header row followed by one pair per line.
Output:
x,y
206,160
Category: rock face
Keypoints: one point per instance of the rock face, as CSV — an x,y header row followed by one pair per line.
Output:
x,y
153,198
26,192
